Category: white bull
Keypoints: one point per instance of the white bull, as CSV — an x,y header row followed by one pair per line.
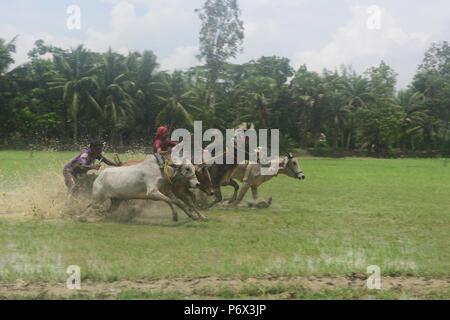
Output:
x,y
250,175
144,181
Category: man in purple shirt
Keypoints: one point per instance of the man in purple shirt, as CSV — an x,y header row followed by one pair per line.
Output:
x,y
83,163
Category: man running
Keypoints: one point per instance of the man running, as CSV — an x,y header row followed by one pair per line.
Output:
x,y
84,162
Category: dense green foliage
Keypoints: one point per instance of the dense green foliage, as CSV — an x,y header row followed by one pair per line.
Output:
x,y
73,95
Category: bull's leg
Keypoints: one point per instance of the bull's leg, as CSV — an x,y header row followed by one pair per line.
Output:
x,y
188,199
247,172
235,185
115,203
193,199
242,193
183,206
156,195
70,182
201,200
96,203
185,195
217,195
255,192
97,199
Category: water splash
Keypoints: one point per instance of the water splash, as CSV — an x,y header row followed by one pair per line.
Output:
x,y
42,197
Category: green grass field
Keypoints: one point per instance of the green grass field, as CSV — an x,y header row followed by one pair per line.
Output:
x,y
347,215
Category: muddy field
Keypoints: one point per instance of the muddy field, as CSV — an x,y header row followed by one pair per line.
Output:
x,y
271,287
315,241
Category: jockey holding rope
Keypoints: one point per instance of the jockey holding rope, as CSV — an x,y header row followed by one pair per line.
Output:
x,y
161,147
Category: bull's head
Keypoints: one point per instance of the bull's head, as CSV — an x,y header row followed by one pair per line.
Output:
x,y
186,172
292,168
203,176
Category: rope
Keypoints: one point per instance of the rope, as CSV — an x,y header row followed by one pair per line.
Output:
x,y
204,162
166,171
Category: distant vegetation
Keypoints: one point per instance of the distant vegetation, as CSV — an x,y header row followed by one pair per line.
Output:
x,y
78,94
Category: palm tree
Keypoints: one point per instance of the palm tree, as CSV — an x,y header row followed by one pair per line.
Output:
x,y
143,70
306,90
118,105
255,95
78,83
356,95
178,102
211,118
338,111
6,49
6,59
416,116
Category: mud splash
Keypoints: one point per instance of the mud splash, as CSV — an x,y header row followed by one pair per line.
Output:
x,y
41,197
44,197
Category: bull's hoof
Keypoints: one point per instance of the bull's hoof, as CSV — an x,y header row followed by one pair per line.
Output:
x,y
201,206
233,203
260,204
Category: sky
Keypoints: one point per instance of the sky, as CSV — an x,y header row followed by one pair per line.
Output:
x,y
318,33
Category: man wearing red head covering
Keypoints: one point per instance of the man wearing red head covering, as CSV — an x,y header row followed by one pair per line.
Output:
x,y
161,145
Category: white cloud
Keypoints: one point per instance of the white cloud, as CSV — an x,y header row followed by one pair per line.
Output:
x,y
274,3
25,41
269,25
354,43
182,58
259,38
129,29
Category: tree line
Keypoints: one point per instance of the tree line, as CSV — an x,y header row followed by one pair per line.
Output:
x,y
69,96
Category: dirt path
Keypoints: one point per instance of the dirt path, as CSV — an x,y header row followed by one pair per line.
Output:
x,y
413,286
